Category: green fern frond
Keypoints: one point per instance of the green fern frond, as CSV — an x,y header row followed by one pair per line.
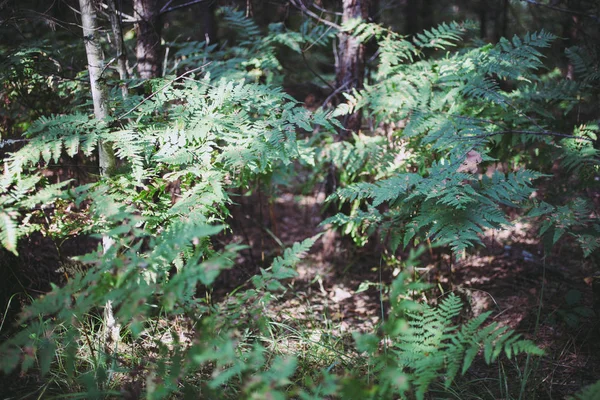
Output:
x,y
585,63
50,136
8,232
432,346
238,21
440,37
590,392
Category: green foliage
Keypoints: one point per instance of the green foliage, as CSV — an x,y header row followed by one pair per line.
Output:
x,y
427,344
456,114
33,83
252,55
590,392
198,136
204,137
585,63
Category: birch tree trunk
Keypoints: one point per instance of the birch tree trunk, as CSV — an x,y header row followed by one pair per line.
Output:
x,y
350,63
106,155
148,30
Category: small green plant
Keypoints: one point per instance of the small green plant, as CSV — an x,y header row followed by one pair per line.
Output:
x,y
590,392
573,312
425,345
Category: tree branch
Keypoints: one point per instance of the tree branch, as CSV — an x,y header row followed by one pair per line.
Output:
x,y
170,82
124,17
564,10
537,133
167,9
300,5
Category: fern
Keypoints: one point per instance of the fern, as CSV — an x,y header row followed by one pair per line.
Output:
x,y
450,107
433,346
281,268
50,136
8,232
585,63
590,392
440,37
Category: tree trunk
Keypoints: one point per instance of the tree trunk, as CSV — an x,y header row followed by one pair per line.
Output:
x,y
115,25
350,63
209,23
95,61
483,6
148,30
411,15
106,155
571,29
426,14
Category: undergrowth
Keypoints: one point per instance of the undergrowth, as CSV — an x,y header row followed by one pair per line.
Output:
x,y
228,125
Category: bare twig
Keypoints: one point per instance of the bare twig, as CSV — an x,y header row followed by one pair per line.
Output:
x,y
300,5
124,17
8,142
564,10
167,4
524,132
167,9
315,72
333,94
160,90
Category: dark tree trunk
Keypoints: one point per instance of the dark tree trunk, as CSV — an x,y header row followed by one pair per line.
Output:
x,y
483,19
411,13
426,14
350,63
209,23
571,28
148,30
505,9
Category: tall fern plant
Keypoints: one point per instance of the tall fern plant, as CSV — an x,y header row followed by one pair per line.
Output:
x,y
204,136
455,112
425,345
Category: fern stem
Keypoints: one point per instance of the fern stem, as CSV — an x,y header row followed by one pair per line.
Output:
x,y
528,369
385,349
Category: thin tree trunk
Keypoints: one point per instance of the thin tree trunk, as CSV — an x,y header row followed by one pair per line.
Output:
x,y
426,14
119,46
209,23
505,9
483,19
350,65
148,30
571,29
106,155
95,60
411,14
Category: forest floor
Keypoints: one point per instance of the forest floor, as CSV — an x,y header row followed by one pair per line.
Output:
x,y
508,277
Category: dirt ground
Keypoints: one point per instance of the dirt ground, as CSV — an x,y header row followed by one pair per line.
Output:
x,y
509,276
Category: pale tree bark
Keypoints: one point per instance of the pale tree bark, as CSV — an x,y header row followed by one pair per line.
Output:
x,y
350,61
106,155
148,30
95,61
